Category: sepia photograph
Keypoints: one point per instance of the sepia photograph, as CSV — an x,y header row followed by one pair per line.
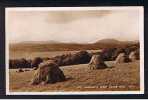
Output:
x,y
74,50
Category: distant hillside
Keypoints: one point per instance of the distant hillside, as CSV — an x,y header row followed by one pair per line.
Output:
x,y
110,41
38,42
57,46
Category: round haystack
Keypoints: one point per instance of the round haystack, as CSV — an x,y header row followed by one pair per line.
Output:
x,y
96,62
80,57
23,63
29,63
132,56
129,49
67,61
19,63
108,53
48,72
120,58
36,61
13,63
117,52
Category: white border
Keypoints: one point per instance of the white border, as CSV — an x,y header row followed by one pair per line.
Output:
x,y
141,38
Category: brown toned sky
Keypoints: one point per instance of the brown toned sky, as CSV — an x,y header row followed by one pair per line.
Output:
x,y
72,26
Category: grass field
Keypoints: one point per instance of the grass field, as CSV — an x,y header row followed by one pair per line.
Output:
x,y
31,55
120,77
79,78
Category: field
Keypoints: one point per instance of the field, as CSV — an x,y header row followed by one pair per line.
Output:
x,y
118,77
31,55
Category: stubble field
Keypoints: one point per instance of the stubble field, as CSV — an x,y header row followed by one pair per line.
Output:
x,y
119,77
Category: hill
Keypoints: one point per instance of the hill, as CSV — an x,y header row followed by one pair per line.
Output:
x,y
108,41
42,46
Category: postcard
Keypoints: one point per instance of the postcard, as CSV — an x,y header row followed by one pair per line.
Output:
x,y
74,50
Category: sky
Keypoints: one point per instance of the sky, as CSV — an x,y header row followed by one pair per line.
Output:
x,y
80,26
